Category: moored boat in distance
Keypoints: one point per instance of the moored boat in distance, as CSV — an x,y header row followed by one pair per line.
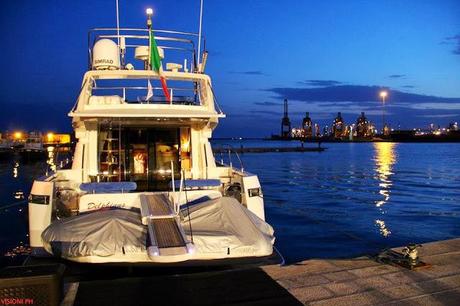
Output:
x,y
33,149
144,186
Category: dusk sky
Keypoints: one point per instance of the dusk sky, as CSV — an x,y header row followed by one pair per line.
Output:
x,y
324,56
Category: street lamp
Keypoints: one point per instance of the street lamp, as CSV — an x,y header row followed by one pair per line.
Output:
x,y
383,95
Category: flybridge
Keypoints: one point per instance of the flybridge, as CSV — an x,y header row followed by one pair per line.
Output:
x,y
129,49
129,67
125,93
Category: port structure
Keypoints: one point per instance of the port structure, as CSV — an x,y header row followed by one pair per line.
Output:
x,y
285,122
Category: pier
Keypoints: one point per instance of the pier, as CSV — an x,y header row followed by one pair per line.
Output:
x,y
269,149
355,281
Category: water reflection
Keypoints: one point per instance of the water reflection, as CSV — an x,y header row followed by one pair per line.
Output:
x,y
51,159
15,169
19,195
384,231
384,158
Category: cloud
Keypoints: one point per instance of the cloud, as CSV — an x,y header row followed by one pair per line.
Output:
x,y
445,106
396,76
266,112
251,72
320,83
455,40
408,86
267,103
354,93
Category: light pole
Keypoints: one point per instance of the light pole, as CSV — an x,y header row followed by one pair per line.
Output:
x,y
383,94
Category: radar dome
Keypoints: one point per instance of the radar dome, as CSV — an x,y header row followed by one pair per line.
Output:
x,y
106,55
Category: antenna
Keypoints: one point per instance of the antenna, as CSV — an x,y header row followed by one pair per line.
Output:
x,y
199,32
118,24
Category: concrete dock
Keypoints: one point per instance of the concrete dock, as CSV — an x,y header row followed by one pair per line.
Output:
x,y
363,281
357,281
242,150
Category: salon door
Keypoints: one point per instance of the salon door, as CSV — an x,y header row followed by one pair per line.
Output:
x,y
163,149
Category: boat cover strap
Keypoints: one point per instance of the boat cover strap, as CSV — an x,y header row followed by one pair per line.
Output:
x,y
108,187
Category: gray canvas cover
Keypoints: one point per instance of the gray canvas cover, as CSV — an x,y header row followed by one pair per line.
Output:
x,y
101,233
221,227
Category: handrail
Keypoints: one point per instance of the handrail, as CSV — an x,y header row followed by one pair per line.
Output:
x,y
79,94
231,151
175,99
145,30
140,87
215,99
129,33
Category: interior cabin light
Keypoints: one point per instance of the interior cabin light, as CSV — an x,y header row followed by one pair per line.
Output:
x,y
254,192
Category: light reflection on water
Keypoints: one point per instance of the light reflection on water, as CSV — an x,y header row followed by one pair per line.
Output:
x,y
384,158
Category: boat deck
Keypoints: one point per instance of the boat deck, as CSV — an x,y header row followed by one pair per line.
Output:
x,y
357,281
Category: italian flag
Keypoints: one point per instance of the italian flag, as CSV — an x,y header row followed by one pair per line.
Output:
x,y
155,63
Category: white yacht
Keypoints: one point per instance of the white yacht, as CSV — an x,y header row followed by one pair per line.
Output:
x,y
144,186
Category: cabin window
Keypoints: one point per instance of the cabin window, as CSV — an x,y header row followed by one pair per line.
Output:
x,y
143,155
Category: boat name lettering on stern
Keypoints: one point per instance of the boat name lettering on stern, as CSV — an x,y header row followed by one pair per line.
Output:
x,y
93,205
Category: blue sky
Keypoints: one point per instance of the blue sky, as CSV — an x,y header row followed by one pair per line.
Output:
x,y
324,56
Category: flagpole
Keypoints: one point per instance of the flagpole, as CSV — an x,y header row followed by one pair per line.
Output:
x,y
149,12
199,32
118,24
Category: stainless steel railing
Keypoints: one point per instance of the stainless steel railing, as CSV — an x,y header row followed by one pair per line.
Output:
x,y
226,157
132,38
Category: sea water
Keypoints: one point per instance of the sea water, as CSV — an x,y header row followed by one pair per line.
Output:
x,y
352,199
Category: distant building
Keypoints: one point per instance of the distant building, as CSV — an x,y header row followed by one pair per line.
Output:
x,y
338,126
297,133
386,130
307,126
364,128
56,139
317,130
